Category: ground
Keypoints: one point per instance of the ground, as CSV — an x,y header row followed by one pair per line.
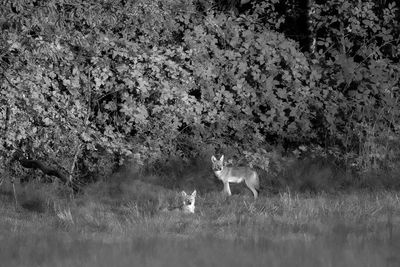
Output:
x,y
123,225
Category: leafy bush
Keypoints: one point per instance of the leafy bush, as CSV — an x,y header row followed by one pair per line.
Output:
x,y
355,72
251,82
94,82
82,79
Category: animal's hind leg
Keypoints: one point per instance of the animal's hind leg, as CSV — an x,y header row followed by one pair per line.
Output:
x,y
227,189
252,188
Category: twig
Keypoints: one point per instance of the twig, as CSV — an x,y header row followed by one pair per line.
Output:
x,y
74,162
15,193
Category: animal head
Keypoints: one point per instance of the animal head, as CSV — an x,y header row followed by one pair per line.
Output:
x,y
188,201
217,165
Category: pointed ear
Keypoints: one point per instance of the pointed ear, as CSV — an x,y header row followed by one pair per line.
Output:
x,y
213,159
222,158
194,193
183,193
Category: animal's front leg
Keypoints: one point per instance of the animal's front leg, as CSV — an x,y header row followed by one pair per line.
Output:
x,y
227,189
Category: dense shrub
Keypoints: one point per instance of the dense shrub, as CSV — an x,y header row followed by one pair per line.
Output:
x,y
355,72
90,83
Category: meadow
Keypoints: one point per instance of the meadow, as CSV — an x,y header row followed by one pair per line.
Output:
x,y
87,85
120,222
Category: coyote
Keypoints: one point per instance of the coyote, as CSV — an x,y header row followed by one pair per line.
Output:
x,y
188,202
187,205
235,175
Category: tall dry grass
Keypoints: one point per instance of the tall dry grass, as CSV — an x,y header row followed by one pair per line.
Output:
x,y
120,222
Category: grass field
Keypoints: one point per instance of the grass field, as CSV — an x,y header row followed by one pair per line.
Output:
x,y
122,224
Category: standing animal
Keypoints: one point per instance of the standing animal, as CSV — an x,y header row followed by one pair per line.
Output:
x,y
235,175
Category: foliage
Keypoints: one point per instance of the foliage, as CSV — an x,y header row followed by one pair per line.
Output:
x,y
79,80
355,70
86,84
251,82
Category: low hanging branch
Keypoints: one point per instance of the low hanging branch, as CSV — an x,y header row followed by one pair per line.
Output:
x,y
77,151
37,164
